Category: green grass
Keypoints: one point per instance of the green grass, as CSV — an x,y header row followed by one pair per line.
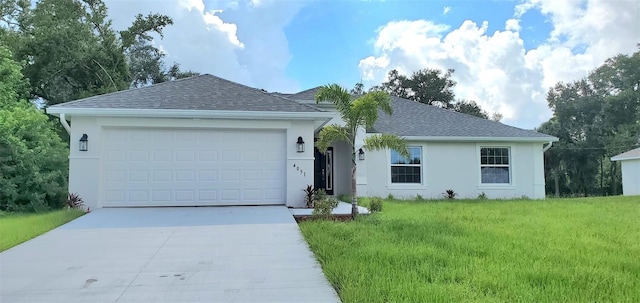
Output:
x,y
18,228
557,250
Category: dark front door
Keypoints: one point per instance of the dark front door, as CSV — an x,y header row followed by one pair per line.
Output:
x,y
323,170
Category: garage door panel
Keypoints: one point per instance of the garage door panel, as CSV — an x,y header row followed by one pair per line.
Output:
x,y
193,167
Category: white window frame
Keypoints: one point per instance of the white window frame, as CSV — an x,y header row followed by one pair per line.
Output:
x,y
509,166
421,165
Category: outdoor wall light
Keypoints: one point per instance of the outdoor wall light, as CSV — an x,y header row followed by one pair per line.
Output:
x,y
360,154
300,145
84,143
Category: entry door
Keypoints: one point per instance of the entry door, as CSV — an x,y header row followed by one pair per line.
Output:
x,y
323,170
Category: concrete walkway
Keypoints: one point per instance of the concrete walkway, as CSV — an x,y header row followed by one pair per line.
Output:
x,y
190,254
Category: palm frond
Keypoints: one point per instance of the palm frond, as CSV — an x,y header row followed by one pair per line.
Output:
x,y
337,95
382,141
330,134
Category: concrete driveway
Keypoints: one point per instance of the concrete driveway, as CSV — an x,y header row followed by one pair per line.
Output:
x,y
181,254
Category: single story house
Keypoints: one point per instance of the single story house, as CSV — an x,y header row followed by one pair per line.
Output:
x,y
630,162
205,140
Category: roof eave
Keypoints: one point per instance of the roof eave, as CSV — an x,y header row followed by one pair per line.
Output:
x,y
188,113
616,158
480,139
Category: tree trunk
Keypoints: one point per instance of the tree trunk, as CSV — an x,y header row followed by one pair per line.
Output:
x,y
354,189
556,183
602,176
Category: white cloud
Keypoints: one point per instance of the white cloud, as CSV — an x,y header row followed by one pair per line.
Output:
x,y
446,10
495,69
250,50
512,25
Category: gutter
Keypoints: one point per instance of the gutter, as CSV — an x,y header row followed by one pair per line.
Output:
x,y
65,124
478,139
546,148
181,113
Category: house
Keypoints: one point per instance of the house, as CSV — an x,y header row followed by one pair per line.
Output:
x,y
630,162
449,150
205,140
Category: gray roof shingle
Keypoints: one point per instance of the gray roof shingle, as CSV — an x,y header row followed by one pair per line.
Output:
x,y
411,118
629,155
203,92
305,95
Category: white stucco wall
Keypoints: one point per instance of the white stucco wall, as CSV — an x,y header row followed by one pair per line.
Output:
x,y
456,165
630,177
85,168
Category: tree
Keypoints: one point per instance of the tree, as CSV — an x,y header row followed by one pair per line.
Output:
x,y
71,50
595,118
428,86
13,87
470,107
33,159
358,113
146,62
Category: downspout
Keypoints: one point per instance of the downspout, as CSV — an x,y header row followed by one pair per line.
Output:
x,y
546,148
65,124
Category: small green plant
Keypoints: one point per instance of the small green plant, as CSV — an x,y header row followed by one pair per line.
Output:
x,y
323,205
74,201
450,194
482,196
309,194
390,197
375,205
419,198
344,198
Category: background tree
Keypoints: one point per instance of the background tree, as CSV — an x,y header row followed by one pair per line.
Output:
x,y
33,159
72,51
595,118
470,107
13,87
428,86
359,113
433,87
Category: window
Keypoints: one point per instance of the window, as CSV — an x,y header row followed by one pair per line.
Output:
x,y
405,170
494,165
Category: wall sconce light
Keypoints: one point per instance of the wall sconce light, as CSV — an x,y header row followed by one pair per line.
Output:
x,y
361,154
84,143
300,145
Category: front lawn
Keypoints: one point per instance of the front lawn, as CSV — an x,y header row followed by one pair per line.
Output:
x,y
564,250
18,228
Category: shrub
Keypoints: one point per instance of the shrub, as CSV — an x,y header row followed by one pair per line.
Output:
x,y
323,204
375,205
33,161
74,201
482,196
419,197
309,193
449,194
390,197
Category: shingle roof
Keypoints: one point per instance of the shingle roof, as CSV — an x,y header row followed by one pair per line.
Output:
x,y
630,155
411,118
305,95
203,92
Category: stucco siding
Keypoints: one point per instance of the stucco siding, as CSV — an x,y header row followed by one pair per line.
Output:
x,y
456,165
631,177
342,168
86,167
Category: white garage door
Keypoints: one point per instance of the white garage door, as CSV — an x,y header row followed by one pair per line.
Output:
x,y
169,167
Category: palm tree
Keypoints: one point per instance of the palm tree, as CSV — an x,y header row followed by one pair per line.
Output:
x,y
360,112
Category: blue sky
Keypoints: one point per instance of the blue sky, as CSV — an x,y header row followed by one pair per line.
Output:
x,y
330,37
506,53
